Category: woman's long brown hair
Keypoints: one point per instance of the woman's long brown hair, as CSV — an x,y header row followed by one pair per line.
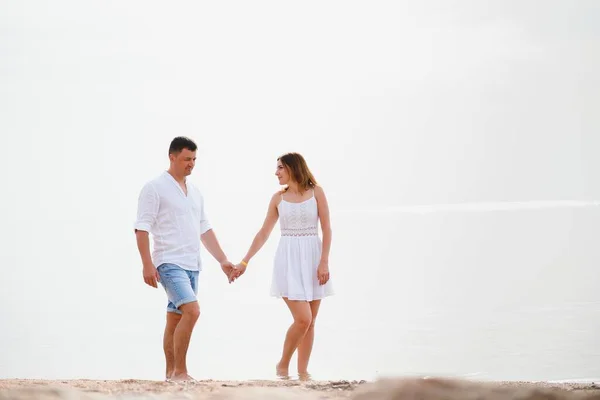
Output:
x,y
298,170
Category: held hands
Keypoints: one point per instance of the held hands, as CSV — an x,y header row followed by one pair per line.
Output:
x,y
228,269
235,271
239,270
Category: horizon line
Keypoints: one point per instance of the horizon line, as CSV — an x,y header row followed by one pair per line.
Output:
x,y
475,207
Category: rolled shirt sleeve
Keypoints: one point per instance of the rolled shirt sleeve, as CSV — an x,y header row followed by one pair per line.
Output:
x,y
147,212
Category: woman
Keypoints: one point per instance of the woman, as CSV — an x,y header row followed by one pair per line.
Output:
x,y
301,266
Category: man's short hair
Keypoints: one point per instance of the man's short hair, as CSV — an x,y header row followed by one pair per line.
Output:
x,y
180,143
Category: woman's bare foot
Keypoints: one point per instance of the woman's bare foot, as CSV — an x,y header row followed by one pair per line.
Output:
x,y
282,372
304,376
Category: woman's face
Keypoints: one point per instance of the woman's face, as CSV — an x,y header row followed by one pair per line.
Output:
x,y
282,174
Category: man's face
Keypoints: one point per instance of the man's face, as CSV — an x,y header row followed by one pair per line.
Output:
x,y
183,162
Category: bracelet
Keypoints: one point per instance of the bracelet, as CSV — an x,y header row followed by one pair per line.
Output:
x,y
244,263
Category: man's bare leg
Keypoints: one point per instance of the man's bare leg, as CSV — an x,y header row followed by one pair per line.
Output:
x,y
172,321
302,317
306,345
181,339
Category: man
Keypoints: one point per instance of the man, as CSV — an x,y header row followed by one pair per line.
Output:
x,y
172,210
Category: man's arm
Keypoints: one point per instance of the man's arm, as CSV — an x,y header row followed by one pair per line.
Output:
x,y
148,203
210,242
148,270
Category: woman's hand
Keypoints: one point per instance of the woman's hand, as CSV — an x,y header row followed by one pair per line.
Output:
x,y
238,271
323,272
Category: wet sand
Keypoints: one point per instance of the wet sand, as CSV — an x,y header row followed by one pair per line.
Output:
x,y
398,389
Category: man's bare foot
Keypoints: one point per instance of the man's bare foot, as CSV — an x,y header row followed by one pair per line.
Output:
x,y
181,378
282,372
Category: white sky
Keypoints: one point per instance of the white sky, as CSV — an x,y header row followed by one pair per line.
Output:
x,y
394,104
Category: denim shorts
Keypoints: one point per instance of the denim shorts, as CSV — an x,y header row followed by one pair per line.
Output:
x,y
181,285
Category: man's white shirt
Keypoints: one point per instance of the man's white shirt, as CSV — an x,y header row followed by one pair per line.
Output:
x,y
174,220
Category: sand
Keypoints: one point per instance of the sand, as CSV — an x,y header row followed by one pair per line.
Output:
x,y
386,389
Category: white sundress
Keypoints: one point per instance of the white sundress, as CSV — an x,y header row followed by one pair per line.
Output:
x,y
298,253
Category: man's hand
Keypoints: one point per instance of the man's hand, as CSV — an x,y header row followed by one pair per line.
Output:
x,y
227,268
151,275
239,270
323,272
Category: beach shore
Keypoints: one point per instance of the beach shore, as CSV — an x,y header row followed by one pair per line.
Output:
x,y
398,389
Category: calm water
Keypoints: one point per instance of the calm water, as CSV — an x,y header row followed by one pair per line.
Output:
x,y
491,295
496,295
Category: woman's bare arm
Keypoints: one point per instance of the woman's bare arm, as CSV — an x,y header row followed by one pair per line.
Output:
x,y
265,231
323,208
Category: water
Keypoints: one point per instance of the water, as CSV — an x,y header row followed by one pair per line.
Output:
x,y
507,294
494,295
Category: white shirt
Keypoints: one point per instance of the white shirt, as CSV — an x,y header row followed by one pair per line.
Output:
x,y
175,221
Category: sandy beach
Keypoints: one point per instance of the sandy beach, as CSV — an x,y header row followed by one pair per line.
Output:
x,y
399,389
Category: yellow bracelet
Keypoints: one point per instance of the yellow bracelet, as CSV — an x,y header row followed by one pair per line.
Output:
x,y
244,263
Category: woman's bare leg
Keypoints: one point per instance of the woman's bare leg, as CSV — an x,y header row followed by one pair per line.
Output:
x,y
306,345
302,319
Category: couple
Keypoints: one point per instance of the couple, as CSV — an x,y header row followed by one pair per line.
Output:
x,y
172,210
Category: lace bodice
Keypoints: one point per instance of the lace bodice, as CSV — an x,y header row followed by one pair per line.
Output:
x,y
298,219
